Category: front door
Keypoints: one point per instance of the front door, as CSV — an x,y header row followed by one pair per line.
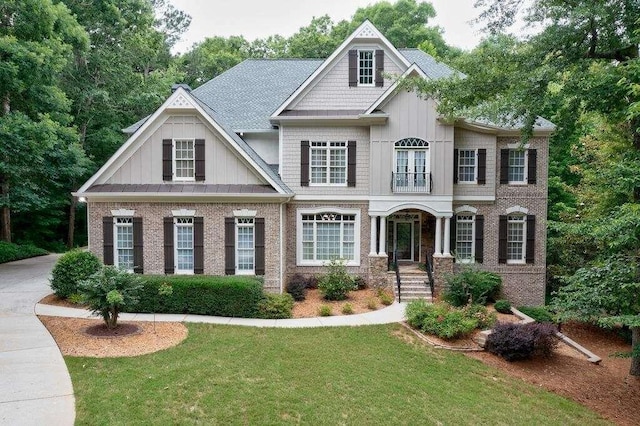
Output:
x,y
404,240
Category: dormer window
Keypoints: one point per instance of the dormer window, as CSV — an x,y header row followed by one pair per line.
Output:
x,y
365,67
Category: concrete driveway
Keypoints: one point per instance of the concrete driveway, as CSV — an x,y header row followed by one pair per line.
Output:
x,y
35,387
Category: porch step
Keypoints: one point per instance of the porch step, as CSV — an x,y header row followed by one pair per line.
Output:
x,y
413,285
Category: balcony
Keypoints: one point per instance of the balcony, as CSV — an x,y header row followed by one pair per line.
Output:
x,y
411,183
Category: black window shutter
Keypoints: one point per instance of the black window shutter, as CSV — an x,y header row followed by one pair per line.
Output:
x,y
531,239
479,249
452,234
167,160
198,245
353,68
504,166
379,68
259,228
169,266
482,166
532,166
304,163
107,236
456,154
502,239
351,163
229,246
199,157
138,256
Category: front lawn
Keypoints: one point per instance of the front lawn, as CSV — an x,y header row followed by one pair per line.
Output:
x,y
348,375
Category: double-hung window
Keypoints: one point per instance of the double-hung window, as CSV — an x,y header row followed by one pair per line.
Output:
x,y
465,237
123,237
516,235
517,166
245,246
184,159
183,228
326,236
365,67
328,163
467,170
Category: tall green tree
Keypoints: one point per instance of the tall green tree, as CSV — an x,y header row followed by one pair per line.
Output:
x,y
37,40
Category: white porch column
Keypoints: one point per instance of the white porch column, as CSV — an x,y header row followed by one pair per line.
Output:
x,y
374,235
438,242
446,252
382,251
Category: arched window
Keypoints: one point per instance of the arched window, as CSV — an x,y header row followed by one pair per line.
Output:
x,y
412,169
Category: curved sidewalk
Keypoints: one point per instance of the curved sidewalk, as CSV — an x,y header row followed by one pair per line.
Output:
x,y
35,386
390,314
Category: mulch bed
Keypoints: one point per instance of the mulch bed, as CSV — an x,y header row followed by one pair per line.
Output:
x,y
121,330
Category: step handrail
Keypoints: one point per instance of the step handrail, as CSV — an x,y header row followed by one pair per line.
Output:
x,y
395,257
429,267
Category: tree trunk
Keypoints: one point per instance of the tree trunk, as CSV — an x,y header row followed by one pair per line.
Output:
x,y
5,214
6,105
635,361
72,222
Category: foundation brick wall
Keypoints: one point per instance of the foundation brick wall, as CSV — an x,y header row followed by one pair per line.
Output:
x,y
153,235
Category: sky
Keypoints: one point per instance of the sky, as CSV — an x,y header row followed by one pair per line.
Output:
x,y
261,18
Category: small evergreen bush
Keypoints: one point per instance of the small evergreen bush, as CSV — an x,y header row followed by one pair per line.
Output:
x,y
227,296
336,283
10,251
110,290
440,319
522,341
472,286
72,267
538,313
347,309
275,306
502,306
297,287
416,311
325,311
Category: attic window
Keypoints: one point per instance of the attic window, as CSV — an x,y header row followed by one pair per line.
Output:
x,y
365,67
184,159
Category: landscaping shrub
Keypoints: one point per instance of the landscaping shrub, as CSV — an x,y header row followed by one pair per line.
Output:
x,y
109,291
275,306
361,283
538,313
325,311
312,282
502,306
10,251
522,341
336,283
440,319
386,299
347,309
472,286
372,304
297,287
481,314
228,296
72,267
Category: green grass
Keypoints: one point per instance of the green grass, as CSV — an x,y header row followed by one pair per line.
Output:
x,y
352,375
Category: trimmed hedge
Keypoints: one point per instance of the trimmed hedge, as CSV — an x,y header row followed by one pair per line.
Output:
x,y
10,251
73,267
227,296
538,313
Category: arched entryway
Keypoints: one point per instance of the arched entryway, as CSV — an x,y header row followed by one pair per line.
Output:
x,y
410,236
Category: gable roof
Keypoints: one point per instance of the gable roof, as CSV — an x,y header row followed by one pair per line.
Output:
x,y
431,67
182,99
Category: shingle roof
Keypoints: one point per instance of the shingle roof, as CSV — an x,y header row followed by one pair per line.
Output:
x,y
246,95
428,64
184,188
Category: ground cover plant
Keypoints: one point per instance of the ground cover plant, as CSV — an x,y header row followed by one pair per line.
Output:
x,y
446,321
10,252
241,375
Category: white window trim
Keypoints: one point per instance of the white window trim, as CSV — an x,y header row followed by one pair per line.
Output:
x,y
517,209
183,213
328,163
238,225
411,161
245,213
115,235
525,177
123,213
173,160
373,68
175,246
475,168
356,235
523,259
468,211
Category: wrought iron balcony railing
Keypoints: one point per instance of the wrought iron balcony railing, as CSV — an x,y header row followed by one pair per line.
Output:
x,y
420,183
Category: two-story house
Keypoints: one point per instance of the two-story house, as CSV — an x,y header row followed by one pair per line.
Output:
x,y
277,166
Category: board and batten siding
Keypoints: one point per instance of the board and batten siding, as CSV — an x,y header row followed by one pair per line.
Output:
x,y
222,164
468,139
412,117
332,91
290,167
